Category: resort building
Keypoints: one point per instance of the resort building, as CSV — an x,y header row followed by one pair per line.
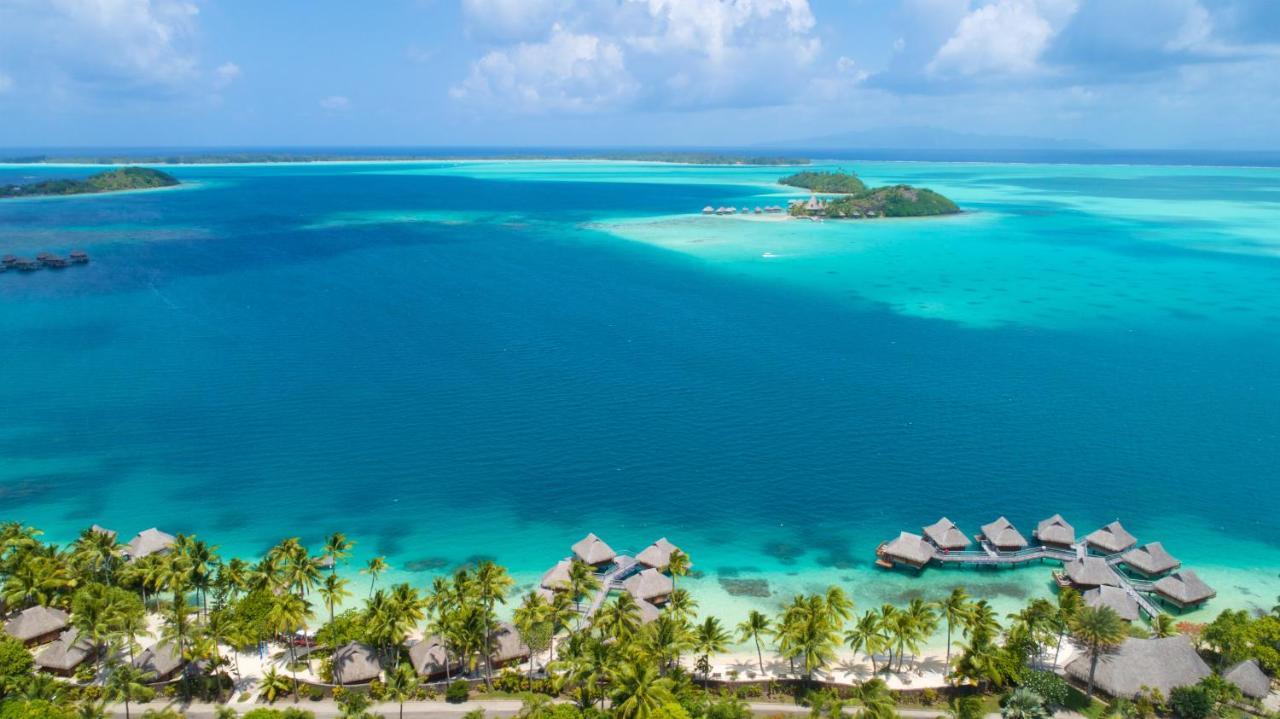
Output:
x,y
1055,532
428,657
507,647
945,535
648,612
1162,664
1002,535
910,549
658,554
37,625
64,655
708,210
1249,678
102,530
1111,539
148,542
592,550
650,585
1088,573
1150,561
160,660
1114,597
557,577
355,663
1184,590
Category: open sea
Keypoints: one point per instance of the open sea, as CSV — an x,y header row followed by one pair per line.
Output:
x,y
455,360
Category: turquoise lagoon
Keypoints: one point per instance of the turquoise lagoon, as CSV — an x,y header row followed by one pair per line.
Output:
x,y
489,359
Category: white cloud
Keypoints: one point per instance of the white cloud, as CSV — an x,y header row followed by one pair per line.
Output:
x,y
335,103
225,74
512,19
1006,37
6,83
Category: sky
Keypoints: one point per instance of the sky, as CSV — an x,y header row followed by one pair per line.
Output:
x,y
713,73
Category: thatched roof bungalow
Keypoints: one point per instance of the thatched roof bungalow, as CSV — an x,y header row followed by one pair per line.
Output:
x,y
648,612
1151,560
1249,679
161,661
1111,539
592,550
557,577
910,549
946,536
64,655
1116,598
1163,664
428,658
148,542
37,625
1090,572
1184,590
507,647
355,663
1003,536
1055,532
103,530
650,586
658,554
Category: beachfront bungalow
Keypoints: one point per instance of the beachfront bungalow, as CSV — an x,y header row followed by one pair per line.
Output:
x,y
507,647
1002,535
1111,539
557,577
946,536
37,625
1249,678
1184,590
592,550
1162,664
650,585
1114,597
148,542
1055,532
909,549
160,660
658,554
428,658
64,655
355,663
1088,573
1150,561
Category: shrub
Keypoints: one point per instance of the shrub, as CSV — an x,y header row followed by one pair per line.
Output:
x,y
750,691
377,690
15,662
34,709
565,711
1194,702
457,692
162,714
474,714
1051,687
929,696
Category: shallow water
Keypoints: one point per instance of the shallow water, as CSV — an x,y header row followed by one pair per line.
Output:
x,y
456,360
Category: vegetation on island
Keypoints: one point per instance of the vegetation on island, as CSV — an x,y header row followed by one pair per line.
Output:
x,y
856,200
125,178
223,158
842,182
613,665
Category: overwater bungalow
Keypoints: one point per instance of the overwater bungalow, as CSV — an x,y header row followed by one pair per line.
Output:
x,y
1249,678
1055,532
648,612
1002,535
64,655
759,210
355,663
428,657
708,210
1184,590
52,261
592,550
25,265
557,577
1114,597
160,660
945,535
78,257
507,647
8,260
1087,573
658,554
909,549
650,585
1161,664
37,625
1150,561
148,542
1111,539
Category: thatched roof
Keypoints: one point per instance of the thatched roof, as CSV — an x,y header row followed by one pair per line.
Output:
x,y
1163,664
658,554
1003,535
507,645
592,550
1249,677
103,530
946,535
649,585
1151,559
910,548
67,653
148,542
35,622
1116,598
159,660
428,657
557,577
355,663
1091,572
1184,588
648,612
1111,539
1055,530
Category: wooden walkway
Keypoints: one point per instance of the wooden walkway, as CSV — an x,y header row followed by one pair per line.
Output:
x,y
622,568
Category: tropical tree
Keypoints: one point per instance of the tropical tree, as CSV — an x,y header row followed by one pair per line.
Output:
x,y
875,699
375,568
490,585
678,565
273,685
967,706
1070,602
533,624
955,610
709,638
638,691
755,627
868,636
332,591
125,683
1164,625
619,619
336,548
1100,630
1023,703
287,614
665,639
582,581
402,685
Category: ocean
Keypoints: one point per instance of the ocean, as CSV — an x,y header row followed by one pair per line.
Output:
x,y
466,359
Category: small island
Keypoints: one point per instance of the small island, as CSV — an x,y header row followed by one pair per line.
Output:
x,y
125,178
856,200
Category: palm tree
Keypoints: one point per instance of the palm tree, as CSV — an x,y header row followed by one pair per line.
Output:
x,y
709,638
665,638
968,706
868,636
558,613
337,547
332,592
287,614
374,568
533,625
1164,625
490,585
678,565
755,626
126,683
955,609
620,619
920,621
639,691
876,700
582,581
1024,703
402,685
1070,602
1100,630
273,685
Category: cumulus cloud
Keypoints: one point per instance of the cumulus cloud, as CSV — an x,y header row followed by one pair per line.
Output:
x,y
335,103
225,74
1007,37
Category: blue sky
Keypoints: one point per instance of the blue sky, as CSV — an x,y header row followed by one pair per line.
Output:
x,y
1120,73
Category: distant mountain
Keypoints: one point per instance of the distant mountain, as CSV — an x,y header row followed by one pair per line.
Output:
x,y
930,138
